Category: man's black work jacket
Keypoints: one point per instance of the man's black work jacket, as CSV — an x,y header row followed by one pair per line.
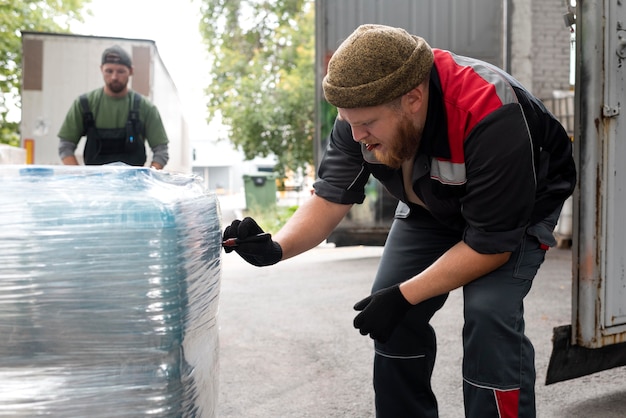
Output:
x,y
492,160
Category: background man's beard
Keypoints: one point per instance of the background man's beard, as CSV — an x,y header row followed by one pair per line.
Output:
x,y
405,147
116,87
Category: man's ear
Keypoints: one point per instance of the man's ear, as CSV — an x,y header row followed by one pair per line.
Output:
x,y
415,98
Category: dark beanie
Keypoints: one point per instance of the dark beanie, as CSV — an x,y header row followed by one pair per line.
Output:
x,y
375,65
116,55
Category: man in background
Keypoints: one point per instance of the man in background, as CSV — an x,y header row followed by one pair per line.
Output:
x,y
115,120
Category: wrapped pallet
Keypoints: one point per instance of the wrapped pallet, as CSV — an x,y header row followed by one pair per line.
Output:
x,y
12,155
109,287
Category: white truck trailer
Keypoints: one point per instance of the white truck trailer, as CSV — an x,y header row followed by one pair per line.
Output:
x,y
57,68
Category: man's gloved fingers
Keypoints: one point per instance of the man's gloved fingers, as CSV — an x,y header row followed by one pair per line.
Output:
x,y
358,321
260,253
359,324
231,230
248,227
361,328
359,306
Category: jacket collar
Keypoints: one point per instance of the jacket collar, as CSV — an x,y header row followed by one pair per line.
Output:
x,y
435,136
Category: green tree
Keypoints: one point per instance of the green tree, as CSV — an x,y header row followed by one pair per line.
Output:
x,y
263,75
26,15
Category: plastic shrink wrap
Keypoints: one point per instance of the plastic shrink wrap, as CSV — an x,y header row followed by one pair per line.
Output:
x,y
109,287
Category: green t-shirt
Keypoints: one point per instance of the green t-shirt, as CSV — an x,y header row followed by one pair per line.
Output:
x,y
110,113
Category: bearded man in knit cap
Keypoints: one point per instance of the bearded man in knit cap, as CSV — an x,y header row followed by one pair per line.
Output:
x,y
481,170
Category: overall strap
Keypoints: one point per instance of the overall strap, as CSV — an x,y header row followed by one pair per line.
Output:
x,y
134,108
133,114
88,119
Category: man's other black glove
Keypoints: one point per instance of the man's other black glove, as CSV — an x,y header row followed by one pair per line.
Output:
x,y
381,312
259,251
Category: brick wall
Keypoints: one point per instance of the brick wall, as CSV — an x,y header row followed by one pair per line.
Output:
x,y
540,45
551,52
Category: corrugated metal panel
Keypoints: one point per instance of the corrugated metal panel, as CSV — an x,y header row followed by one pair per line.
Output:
x,y
467,27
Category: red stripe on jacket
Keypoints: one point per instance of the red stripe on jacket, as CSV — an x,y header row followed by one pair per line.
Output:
x,y
467,97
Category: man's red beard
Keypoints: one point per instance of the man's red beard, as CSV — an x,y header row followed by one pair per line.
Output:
x,y
404,147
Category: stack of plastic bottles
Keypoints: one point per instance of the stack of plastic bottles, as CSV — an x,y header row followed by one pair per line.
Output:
x,y
109,288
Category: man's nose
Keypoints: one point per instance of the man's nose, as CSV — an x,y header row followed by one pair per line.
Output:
x,y
359,133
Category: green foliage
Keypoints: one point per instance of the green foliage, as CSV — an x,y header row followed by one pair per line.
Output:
x,y
9,133
18,16
273,218
263,76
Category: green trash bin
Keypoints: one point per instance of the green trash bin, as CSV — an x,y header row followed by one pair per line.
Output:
x,y
260,190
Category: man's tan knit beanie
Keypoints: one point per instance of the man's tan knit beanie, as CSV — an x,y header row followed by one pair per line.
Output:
x,y
375,65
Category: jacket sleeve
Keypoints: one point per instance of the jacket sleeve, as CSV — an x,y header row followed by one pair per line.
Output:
x,y
72,128
342,174
153,125
160,154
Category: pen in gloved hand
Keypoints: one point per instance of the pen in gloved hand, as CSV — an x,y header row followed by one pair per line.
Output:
x,y
233,242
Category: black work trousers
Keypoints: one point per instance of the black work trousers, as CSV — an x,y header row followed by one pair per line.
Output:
x,y
498,363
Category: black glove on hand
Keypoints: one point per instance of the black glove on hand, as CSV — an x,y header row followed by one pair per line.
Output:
x,y
263,252
381,313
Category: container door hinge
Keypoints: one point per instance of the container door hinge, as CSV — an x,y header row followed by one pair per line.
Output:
x,y
610,112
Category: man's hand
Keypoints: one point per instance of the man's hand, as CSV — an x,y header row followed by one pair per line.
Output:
x,y
70,160
381,312
249,241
